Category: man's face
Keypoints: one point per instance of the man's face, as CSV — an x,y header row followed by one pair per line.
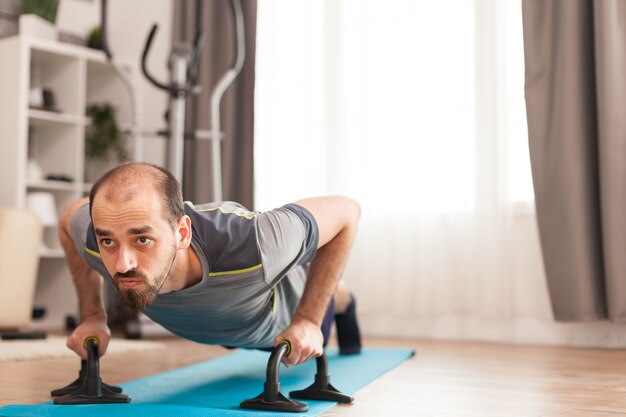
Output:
x,y
137,245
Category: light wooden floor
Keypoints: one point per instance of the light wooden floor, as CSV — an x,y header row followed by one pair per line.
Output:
x,y
443,379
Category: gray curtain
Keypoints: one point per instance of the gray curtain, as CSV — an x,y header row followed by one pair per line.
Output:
x,y
217,21
575,52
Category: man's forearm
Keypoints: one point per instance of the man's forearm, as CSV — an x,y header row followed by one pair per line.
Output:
x,y
325,271
88,283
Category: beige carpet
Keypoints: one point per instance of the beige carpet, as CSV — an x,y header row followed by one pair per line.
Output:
x,y
54,347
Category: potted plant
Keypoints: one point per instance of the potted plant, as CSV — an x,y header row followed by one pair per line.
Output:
x,y
94,39
104,144
46,9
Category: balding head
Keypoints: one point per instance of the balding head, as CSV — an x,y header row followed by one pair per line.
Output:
x,y
126,181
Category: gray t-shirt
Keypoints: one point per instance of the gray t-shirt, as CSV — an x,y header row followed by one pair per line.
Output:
x,y
254,268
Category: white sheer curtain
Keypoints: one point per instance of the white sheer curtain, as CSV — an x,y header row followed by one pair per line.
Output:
x,y
415,109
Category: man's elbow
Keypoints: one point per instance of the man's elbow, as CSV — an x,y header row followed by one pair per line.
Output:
x,y
65,220
353,210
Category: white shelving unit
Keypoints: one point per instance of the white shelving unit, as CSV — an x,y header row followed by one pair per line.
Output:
x,y
54,138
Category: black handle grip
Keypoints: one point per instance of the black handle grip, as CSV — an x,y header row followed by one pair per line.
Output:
x,y
144,60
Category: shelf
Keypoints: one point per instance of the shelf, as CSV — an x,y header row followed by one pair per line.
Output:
x,y
43,117
54,138
51,185
59,50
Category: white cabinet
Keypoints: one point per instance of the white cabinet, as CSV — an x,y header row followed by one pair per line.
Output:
x,y
52,138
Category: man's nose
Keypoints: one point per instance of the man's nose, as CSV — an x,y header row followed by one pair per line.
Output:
x,y
126,260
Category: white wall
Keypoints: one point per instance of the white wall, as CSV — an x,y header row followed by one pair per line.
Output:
x,y
128,26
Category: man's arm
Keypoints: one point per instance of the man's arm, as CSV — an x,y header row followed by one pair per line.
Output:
x,y
337,220
88,284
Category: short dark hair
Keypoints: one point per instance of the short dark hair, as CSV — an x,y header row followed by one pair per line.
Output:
x,y
165,184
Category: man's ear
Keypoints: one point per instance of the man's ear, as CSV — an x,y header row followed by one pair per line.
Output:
x,y
183,232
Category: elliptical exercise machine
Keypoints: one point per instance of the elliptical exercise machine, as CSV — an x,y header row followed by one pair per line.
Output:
x,y
183,65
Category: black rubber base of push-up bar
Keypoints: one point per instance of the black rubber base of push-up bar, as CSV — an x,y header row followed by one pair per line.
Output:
x,y
74,386
274,402
272,399
321,389
89,388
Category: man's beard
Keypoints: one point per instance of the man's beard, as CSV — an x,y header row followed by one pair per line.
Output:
x,y
142,298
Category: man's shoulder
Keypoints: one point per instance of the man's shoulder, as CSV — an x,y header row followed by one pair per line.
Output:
x,y
212,210
228,219
227,233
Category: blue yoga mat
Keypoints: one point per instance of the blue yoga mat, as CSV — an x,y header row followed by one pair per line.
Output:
x,y
216,387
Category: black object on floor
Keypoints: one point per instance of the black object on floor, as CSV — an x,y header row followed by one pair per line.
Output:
x,y
89,387
38,313
71,322
17,335
348,334
272,399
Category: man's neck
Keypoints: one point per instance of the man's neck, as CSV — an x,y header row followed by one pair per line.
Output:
x,y
186,271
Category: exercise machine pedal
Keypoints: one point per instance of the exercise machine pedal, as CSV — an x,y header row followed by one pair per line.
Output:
x,y
272,399
89,388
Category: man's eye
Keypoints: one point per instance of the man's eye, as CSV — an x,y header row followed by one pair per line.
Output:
x,y
106,242
144,240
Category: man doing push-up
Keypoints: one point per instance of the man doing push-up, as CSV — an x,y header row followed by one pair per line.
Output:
x,y
213,273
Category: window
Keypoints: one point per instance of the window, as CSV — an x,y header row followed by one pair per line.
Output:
x,y
389,102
